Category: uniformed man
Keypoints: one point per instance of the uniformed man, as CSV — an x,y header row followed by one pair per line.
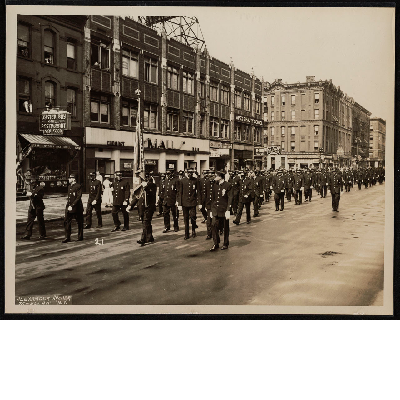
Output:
x,y
208,200
202,185
188,199
268,180
244,197
348,178
323,183
94,200
121,196
221,203
149,207
36,208
297,187
308,185
236,190
170,192
258,191
278,186
289,185
335,184
161,190
73,209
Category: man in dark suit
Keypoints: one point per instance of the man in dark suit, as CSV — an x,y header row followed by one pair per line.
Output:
x,y
236,190
188,199
94,200
36,207
297,187
73,209
170,192
258,191
161,190
335,184
244,198
278,186
121,196
308,185
202,188
149,207
221,203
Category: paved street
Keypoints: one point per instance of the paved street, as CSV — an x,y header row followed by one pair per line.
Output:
x,y
305,255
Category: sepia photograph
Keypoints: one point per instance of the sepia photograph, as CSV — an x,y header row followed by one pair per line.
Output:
x,y
199,160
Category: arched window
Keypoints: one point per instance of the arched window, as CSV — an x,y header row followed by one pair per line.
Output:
x,y
49,47
50,94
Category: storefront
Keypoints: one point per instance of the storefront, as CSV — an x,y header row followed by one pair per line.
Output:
x,y
220,155
50,159
259,157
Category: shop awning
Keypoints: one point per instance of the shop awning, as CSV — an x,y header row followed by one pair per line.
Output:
x,y
52,142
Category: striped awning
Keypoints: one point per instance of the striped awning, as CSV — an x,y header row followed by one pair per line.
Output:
x,y
52,142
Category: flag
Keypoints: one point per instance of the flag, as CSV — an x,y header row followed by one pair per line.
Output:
x,y
138,152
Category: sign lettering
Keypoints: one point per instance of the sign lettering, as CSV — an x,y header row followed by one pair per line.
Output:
x,y
242,118
55,122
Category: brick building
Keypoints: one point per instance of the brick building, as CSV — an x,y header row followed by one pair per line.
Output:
x,y
49,76
196,111
309,124
377,141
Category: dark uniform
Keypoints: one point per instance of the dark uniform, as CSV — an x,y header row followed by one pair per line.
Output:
x,y
94,194
202,188
74,201
221,203
208,200
121,195
244,199
289,185
189,198
161,191
149,207
323,183
297,185
335,184
36,208
307,184
236,181
258,192
170,192
278,186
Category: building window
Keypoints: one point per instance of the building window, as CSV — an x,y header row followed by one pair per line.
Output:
x,y
292,146
49,94
237,131
283,100
265,139
224,95
246,134
238,99
129,112
130,64
272,115
71,55
202,125
282,131
71,101
293,100
224,129
24,97
214,131
257,134
283,146
172,78
188,82
293,115
316,146
150,116
188,122
246,101
258,105
100,109
293,130
100,54
316,129
213,91
150,70
316,114
282,115
49,46
272,101
316,98
173,120
23,40
272,132
202,90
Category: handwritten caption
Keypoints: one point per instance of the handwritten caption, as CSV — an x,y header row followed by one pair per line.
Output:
x,y
54,299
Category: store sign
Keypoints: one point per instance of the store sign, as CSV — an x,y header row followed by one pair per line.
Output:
x,y
55,122
220,145
274,150
259,151
219,152
127,165
114,143
150,162
242,118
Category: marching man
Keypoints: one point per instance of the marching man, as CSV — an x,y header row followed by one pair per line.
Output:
x,y
94,201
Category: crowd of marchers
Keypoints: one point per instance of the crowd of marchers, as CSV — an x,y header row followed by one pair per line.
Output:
x,y
218,195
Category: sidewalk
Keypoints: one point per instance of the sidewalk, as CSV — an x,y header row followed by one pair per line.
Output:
x,y
55,208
